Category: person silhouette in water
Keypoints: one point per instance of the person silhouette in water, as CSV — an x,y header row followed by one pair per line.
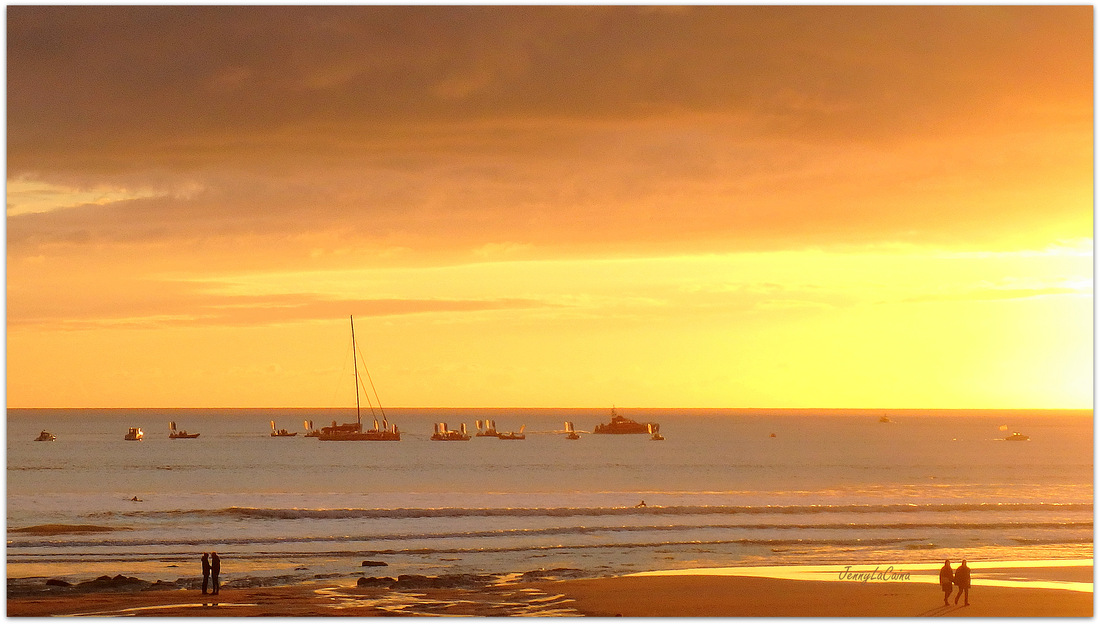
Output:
x,y
947,578
962,580
215,569
205,571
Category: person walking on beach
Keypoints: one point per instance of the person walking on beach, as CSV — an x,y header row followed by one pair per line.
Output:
x,y
215,569
962,580
947,578
205,571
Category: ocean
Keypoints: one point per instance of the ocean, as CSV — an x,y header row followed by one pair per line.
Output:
x,y
831,487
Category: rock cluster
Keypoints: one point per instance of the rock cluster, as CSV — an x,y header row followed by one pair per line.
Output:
x,y
405,582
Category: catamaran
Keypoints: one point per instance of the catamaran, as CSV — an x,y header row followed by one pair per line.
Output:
x,y
354,431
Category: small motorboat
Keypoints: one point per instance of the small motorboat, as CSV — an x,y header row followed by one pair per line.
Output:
x,y
513,436
134,434
174,433
182,434
884,419
1016,436
281,432
443,434
46,436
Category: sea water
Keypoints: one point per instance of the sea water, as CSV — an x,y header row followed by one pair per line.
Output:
x,y
830,487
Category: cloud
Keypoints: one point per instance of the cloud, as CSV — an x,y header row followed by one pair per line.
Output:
x,y
434,134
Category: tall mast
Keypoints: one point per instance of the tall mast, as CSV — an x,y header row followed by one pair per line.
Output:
x,y
355,367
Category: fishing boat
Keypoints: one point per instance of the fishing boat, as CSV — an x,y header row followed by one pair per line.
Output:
x,y
444,434
46,436
621,425
490,428
354,431
513,436
570,433
310,432
134,434
281,432
174,433
1016,436
884,419
654,432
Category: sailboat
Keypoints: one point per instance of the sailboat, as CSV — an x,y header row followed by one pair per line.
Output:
x,y
174,433
570,433
354,431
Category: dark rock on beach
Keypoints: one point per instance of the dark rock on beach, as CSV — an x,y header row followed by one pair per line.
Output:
x,y
407,582
373,563
58,582
375,582
118,582
551,574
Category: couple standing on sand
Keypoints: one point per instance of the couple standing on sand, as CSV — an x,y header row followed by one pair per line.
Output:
x,y
211,563
960,578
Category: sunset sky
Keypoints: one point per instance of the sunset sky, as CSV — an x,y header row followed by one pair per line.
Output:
x,y
862,207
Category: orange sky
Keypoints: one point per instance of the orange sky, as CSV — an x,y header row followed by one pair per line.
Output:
x,y
551,206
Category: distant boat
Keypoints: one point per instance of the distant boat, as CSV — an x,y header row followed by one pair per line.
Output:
x,y
180,433
772,435
513,436
310,432
884,419
1016,436
655,431
46,436
621,425
134,434
354,431
443,434
490,426
570,433
281,432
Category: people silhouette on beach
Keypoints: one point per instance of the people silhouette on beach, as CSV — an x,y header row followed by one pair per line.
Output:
x,y
640,504
962,580
947,578
205,571
215,570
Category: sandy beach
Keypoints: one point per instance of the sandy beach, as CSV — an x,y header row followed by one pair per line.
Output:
x,y
630,596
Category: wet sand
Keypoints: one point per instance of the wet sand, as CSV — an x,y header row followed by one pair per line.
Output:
x,y
632,596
